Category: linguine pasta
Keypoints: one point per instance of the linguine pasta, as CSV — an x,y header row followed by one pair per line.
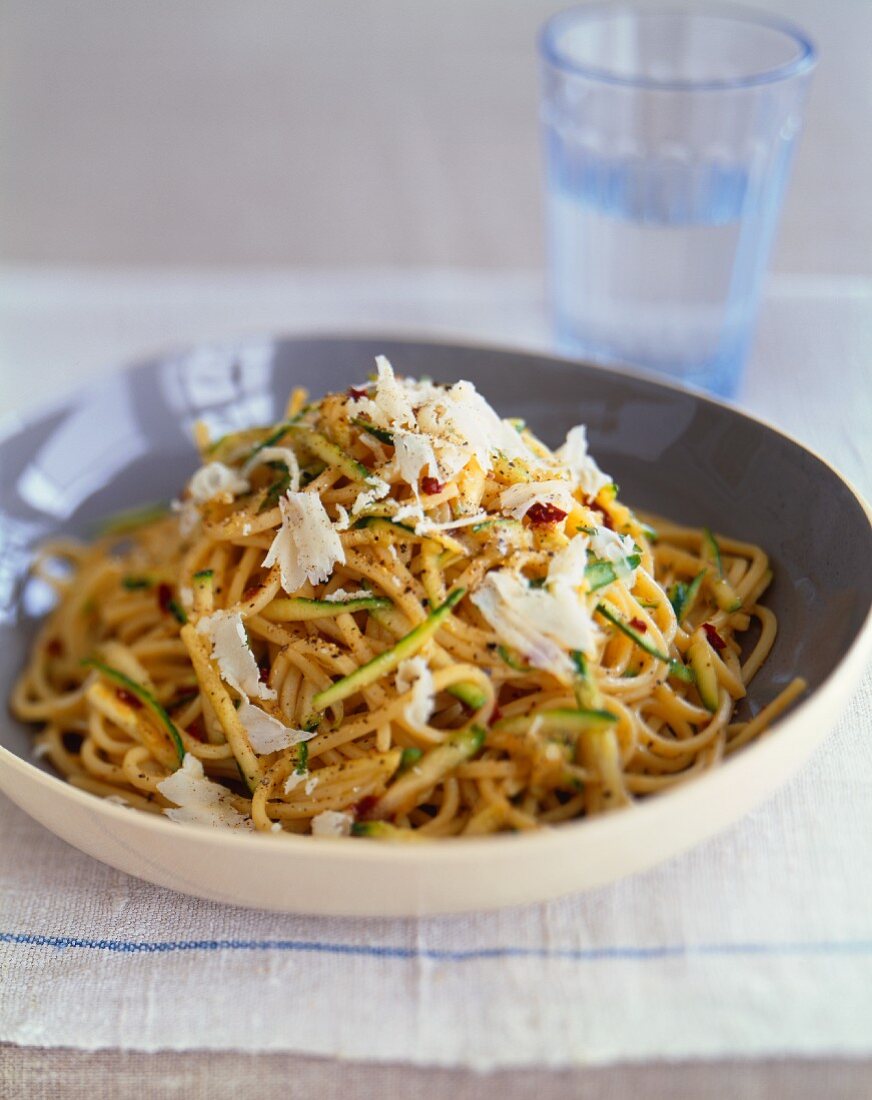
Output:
x,y
395,615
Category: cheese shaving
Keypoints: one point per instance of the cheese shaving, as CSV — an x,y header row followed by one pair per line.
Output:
x,y
199,800
332,823
414,674
306,546
517,500
542,623
573,454
267,734
231,651
216,479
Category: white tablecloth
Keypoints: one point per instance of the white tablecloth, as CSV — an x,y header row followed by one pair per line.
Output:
x,y
756,943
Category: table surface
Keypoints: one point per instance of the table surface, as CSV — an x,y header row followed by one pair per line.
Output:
x,y
58,327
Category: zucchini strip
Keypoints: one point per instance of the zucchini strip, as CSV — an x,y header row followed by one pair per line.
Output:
x,y
225,712
386,662
557,720
301,609
725,595
683,596
676,668
433,766
145,697
600,573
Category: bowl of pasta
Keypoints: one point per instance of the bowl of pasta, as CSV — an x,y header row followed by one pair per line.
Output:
x,y
361,626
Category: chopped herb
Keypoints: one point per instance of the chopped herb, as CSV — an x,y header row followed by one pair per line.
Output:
x,y
133,583
409,758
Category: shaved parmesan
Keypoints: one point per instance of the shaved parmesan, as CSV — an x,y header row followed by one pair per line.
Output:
x,y
456,422
542,623
230,648
378,490
306,546
412,455
343,521
199,800
294,780
608,545
268,734
414,674
588,476
517,500
216,479
332,823
277,454
567,567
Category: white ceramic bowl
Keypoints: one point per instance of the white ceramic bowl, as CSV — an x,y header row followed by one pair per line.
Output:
x,y
123,441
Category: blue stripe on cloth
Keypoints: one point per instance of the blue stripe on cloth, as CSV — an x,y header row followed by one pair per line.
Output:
x,y
318,947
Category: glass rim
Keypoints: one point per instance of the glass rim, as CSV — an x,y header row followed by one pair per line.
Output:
x,y
803,62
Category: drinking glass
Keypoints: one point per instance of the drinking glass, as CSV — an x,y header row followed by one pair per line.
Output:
x,y
669,135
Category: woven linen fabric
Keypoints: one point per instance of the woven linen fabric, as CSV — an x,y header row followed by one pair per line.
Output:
x,y
756,943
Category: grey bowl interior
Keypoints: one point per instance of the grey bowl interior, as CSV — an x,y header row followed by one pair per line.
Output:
x,y
126,441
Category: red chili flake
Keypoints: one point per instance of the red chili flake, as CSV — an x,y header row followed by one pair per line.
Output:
x,y
129,698
364,807
637,624
263,671
431,486
607,519
539,514
251,592
496,715
355,394
54,647
164,597
197,730
715,640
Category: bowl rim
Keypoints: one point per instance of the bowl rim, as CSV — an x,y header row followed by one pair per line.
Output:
x,y
502,844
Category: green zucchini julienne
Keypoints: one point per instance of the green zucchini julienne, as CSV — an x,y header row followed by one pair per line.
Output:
x,y
204,576
132,519
701,660
134,583
329,452
600,573
271,498
512,659
144,696
302,609
374,430
725,595
683,596
676,668
381,522
177,611
302,764
274,437
557,720
485,524
587,692
409,758
433,765
469,694
386,662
